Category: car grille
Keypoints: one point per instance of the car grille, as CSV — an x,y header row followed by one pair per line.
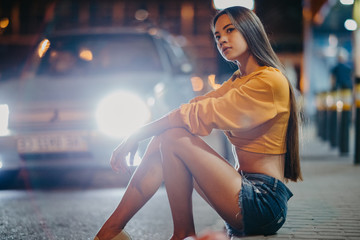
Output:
x,y
43,120
55,156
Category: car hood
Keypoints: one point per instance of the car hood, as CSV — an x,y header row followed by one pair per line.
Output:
x,y
76,91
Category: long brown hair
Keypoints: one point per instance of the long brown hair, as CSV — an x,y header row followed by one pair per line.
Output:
x,y
250,26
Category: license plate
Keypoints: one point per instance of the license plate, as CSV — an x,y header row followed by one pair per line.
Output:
x,y
51,143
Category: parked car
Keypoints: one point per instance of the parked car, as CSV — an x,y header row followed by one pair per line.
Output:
x,y
84,90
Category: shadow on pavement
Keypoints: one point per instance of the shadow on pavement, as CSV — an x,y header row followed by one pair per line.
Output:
x,y
77,179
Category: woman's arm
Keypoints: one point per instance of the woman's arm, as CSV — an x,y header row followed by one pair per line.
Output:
x,y
130,144
214,93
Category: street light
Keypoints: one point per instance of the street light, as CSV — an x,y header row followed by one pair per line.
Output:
x,y
221,4
347,2
350,25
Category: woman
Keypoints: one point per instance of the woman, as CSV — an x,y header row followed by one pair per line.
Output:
x,y
256,109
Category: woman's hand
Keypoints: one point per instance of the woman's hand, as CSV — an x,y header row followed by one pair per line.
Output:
x,y
118,158
130,144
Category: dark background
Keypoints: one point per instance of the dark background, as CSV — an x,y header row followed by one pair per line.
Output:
x,y
292,26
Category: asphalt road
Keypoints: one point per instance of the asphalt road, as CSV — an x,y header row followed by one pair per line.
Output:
x,y
74,203
74,206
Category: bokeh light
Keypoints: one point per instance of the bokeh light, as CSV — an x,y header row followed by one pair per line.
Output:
x,y
212,82
197,84
4,22
141,15
221,4
350,24
43,47
86,54
347,2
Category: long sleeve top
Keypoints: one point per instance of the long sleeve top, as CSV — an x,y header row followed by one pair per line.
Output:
x,y
253,110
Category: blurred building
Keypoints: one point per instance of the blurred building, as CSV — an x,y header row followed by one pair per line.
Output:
x,y
188,19
325,32
304,33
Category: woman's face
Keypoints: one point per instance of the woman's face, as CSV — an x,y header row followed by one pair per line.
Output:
x,y
230,42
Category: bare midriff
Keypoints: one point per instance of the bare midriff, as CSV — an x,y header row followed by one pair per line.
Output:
x,y
269,164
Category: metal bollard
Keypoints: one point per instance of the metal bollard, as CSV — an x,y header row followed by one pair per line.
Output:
x,y
357,121
344,108
320,111
331,131
333,125
322,121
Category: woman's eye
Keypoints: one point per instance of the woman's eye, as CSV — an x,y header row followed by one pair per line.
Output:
x,y
217,37
229,30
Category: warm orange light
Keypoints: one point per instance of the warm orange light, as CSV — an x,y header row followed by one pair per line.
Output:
x,y
86,54
187,11
153,31
43,47
318,18
212,83
197,84
307,14
53,54
304,86
4,22
141,15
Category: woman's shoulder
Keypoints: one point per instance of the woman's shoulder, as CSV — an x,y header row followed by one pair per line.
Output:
x,y
271,76
265,76
269,72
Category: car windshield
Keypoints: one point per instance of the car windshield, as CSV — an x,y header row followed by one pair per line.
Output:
x,y
100,54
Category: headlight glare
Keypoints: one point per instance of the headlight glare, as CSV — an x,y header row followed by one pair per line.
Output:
x,y
120,113
4,119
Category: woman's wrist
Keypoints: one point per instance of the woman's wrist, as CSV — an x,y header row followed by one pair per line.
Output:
x,y
135,136
149,130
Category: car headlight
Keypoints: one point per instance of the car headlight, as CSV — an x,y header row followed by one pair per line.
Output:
x,y
120,113
4,119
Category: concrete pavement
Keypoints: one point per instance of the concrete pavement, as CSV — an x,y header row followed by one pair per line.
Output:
x,y
326,205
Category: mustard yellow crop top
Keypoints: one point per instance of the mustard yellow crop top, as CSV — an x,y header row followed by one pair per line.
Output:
x,y
253,110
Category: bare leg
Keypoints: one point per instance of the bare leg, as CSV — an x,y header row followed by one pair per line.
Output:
x,y
177,176
218,181
143,185
186,157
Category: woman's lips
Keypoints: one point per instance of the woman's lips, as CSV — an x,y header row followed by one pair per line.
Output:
x,y
225,49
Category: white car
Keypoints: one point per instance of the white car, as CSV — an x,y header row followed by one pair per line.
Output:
x,y
84,90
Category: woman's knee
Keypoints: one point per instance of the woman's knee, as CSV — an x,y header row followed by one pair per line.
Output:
x,y
153,146
172,136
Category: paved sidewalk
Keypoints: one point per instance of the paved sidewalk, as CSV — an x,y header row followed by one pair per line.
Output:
x,y
326,205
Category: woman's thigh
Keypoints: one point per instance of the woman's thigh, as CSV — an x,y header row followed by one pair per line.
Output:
x,y
218,181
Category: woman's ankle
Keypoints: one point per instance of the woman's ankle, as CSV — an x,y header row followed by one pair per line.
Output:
x,y
181,236
108,232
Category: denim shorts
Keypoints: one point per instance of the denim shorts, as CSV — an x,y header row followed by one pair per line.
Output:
x,y
263,203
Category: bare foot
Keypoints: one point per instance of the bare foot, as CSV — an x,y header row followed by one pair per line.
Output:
x,y
210,235
108,233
